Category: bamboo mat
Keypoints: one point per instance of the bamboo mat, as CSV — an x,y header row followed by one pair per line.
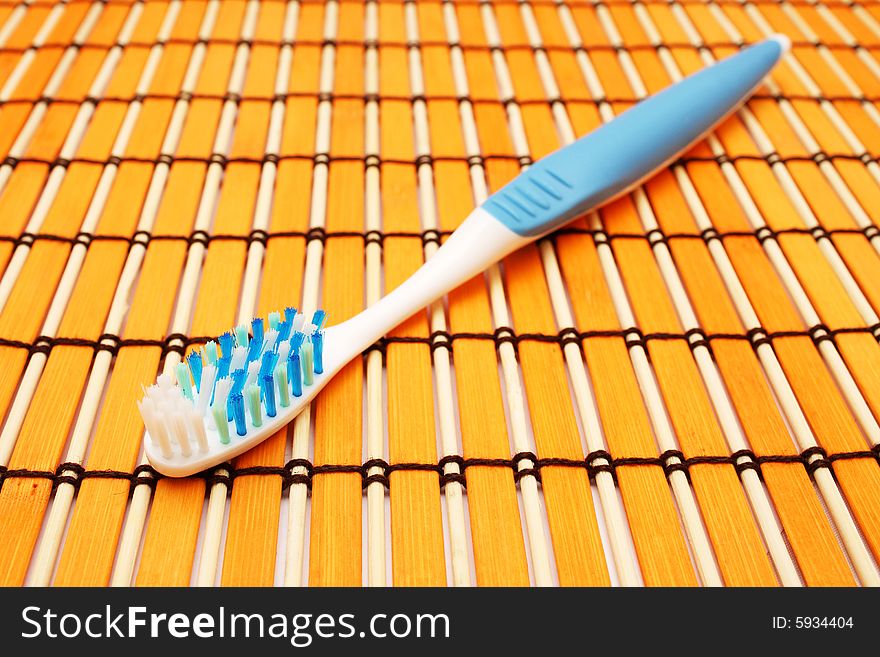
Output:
x,y
682,389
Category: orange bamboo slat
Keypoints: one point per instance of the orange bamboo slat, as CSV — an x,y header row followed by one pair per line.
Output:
x,y
335,540
45,429
255,502
495,522
806,526
651,511
416,526
571,513
215,310
149,323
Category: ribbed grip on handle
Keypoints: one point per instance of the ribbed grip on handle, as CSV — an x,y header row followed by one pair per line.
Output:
x,y
616,157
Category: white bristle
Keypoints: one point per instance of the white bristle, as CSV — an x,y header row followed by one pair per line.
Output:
x,y
160,431
144,410
221,393
153,423
283,351
298,321
239,358
206,387
269,341
197,429
252,372
164,382
164,408
163,438
178,420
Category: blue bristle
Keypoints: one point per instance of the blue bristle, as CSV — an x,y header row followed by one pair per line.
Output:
x,y
267,377
284,331
266,368
318,345
268,388
195,366
268,364
294,373
223,367
254,350
258,329
238,380
227,342
237,403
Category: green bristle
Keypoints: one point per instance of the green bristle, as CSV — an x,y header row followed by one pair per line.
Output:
x,y
274,320
210,352
308,365
183,378
241,335
219,413
252,398
280,376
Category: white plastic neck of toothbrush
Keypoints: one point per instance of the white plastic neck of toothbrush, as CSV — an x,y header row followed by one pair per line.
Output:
x,y
479,242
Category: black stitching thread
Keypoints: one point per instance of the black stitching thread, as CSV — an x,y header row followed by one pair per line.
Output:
x,y
324,96
762,234
369,159
74,474
143,238
375,160
522,464
633,336
373,43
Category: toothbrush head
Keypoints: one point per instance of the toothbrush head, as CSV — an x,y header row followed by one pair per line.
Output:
x,y
234,392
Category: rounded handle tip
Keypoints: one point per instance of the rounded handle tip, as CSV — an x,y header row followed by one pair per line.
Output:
x,y
782,41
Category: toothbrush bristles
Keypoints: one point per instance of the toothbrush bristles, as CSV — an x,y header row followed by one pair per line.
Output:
x,y
234,383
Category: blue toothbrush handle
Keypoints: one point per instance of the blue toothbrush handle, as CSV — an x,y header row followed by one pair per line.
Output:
x,y
616,157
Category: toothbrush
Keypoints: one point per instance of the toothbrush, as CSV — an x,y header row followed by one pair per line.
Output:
x,y
242,388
